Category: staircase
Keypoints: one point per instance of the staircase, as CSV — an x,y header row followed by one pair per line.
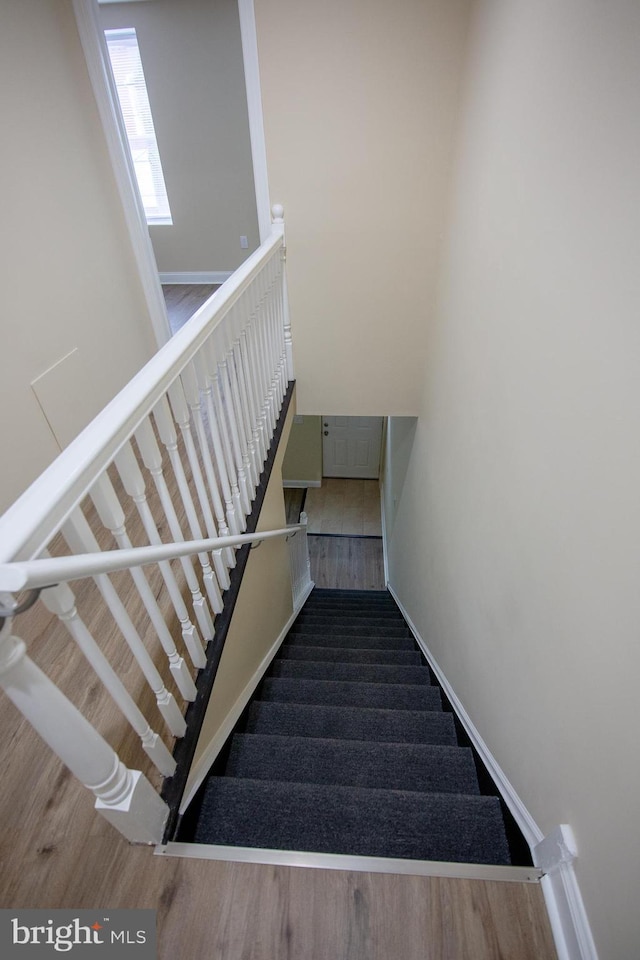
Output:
x,y
346,749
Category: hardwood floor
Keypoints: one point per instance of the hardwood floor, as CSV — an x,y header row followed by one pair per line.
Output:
x,y
183,299
346,563
345,505
294,502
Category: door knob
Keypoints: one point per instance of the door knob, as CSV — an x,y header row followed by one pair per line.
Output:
x,y
326,433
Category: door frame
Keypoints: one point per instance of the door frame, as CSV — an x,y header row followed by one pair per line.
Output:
x,y
95,52
324,446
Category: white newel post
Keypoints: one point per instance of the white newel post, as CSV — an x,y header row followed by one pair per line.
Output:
x,y
277,212
124,797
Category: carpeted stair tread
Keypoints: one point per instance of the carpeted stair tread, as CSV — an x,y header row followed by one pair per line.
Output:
x,y
350,614
396,696
377,627
351,723
372,642
362,672
345,748
352,820
351,609
368,595
392,766
358,655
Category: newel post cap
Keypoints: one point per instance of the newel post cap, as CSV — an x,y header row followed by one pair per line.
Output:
x,y
277,213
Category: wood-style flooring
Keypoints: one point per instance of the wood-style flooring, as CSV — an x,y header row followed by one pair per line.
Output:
x,y
346,563
183,299
344,505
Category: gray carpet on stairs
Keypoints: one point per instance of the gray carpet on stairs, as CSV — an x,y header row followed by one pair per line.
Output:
x,y
345,749
351,723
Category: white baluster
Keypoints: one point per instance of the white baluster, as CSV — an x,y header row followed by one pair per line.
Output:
x,y
169,437
300,564
134,484
274,389
252,307
250,381
263,349
205,387
254,466
152,458
279,329
224,412
124,797
112,517
80,538
277,211
192,393
182,418
234,420
241,386
233,373
61,601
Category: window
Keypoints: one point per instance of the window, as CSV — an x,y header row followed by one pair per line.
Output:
x,y
134,103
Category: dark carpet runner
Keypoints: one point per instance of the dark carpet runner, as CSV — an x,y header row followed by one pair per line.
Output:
x,y
346,749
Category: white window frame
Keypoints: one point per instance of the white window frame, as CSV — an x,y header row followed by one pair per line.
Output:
x,y
138,123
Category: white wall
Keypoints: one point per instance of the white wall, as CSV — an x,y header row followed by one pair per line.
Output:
x,y
516,545
359,100
192,60
68,276
398,440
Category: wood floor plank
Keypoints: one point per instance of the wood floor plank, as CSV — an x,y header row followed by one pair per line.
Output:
x,y
183,299
346,563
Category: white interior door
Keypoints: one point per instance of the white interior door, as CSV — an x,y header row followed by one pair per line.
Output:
x,y
351,447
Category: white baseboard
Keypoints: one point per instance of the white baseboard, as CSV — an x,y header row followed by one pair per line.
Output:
x,y
201,769
554,854
191,276
385,555
300,484
569,922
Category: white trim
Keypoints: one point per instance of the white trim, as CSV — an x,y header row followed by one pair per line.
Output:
x,y
555,853
249,37
195,276
336,861
200,769
300,484
571,930
385,552
95,52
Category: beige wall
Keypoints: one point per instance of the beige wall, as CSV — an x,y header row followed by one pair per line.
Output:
x,y
264,605
69,280
359,101
516,547
303,458
192,59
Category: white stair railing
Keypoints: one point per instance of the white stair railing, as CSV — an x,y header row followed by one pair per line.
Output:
x,y
299,562
210,399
